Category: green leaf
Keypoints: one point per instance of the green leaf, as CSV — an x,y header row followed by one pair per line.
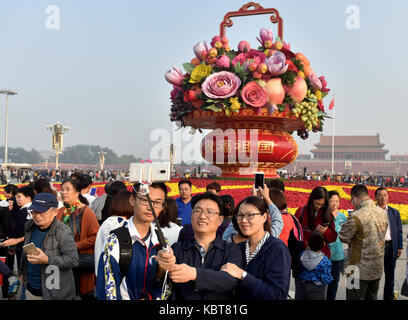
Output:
x,y
311,100
238,68
324,94
298,64
278,39
188,67
209,100
227,112
213,107
281,107
323,114
230,54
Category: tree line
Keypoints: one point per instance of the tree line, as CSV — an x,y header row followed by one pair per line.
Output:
x,y
79,154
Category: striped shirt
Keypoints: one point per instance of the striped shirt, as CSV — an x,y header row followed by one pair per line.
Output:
x,y
249,256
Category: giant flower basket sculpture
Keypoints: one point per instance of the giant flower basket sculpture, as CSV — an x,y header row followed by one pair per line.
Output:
x,y
269,89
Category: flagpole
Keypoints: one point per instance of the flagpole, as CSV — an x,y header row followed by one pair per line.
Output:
x,y
332,164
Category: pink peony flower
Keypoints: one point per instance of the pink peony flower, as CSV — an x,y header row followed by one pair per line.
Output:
x,y
244,46
253,55
223,62
315,81
174,76
277,63
221,85
254,95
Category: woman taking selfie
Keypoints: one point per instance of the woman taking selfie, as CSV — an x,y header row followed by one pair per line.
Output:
x,y
266,274
82,220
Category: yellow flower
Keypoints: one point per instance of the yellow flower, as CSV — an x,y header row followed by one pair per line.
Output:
x,y
318,95
235,104
199,72
300,73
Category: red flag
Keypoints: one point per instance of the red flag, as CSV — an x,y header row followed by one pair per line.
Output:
x,y
331,106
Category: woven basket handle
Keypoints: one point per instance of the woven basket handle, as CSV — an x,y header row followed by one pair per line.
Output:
x,y
246,11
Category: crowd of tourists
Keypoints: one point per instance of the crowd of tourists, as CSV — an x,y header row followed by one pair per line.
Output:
x,y
110,248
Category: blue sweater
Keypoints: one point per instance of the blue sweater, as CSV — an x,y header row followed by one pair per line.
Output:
x,y
268,273
34,270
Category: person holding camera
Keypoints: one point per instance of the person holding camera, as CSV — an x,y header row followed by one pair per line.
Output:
x,y
275,216
132,276
195,266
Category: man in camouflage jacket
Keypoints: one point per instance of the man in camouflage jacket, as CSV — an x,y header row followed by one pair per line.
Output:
x,y
364,232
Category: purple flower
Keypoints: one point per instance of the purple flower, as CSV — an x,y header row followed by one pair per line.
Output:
x,y
174,76
277,63
221,85
266,36
199,48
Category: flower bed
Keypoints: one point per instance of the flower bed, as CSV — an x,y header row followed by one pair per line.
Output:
x,y
296,192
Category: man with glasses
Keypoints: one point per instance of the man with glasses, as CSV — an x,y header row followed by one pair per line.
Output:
x,y
47,272
137,280
194,266
364,232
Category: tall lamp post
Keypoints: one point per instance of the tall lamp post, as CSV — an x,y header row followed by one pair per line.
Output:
x,y
101,159
57,131
7,93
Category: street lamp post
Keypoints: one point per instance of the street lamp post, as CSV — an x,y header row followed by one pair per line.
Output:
x,y
57,131
101,159
7,93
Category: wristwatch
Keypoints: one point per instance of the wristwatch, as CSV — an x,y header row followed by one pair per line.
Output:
x,y
243,275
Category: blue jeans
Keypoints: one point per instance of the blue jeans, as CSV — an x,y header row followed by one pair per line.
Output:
x,y
335,271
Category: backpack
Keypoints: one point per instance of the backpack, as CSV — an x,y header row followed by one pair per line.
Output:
x,y
125,249
296,244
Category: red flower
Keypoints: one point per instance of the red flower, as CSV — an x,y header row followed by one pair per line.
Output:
x,y
324,84
254,95
292,66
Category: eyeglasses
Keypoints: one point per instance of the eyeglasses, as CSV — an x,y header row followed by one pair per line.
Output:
x,y
208,213
318,204
248,216
156,204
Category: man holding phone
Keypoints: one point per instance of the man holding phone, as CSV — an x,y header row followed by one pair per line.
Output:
x,y
48,243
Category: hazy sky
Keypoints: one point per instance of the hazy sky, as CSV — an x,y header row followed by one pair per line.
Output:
x,y
102,72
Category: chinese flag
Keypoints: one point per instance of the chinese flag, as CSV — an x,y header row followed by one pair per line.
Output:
x,y
331,106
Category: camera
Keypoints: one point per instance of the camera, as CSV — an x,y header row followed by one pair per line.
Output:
x,y
149,172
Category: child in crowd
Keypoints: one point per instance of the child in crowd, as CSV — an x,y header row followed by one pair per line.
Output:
x,y
315,273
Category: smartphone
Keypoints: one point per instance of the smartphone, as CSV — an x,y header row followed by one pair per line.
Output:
x,y
30,248
93,192
259,179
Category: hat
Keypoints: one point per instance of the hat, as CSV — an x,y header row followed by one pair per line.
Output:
x,y
43,202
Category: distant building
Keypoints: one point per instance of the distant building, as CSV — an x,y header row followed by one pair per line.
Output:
x,y
362,148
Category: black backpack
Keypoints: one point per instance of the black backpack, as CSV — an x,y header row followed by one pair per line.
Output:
x,y
125,249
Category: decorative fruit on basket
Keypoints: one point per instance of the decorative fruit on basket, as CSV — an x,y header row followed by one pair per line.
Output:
x,y
269,88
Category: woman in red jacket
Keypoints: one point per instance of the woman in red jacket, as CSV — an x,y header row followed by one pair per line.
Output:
x,y
315,216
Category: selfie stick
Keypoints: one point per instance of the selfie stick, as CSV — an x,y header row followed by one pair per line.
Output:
x,y
145,188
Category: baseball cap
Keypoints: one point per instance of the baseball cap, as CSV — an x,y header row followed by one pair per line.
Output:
x,y
43,202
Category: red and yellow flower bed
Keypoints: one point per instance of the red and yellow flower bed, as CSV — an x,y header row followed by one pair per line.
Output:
x,y
296,192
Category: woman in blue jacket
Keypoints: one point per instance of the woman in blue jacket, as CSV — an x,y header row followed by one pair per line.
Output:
x,y
266,274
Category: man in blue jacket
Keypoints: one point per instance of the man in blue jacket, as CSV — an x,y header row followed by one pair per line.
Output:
x,y
393,241
194,266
